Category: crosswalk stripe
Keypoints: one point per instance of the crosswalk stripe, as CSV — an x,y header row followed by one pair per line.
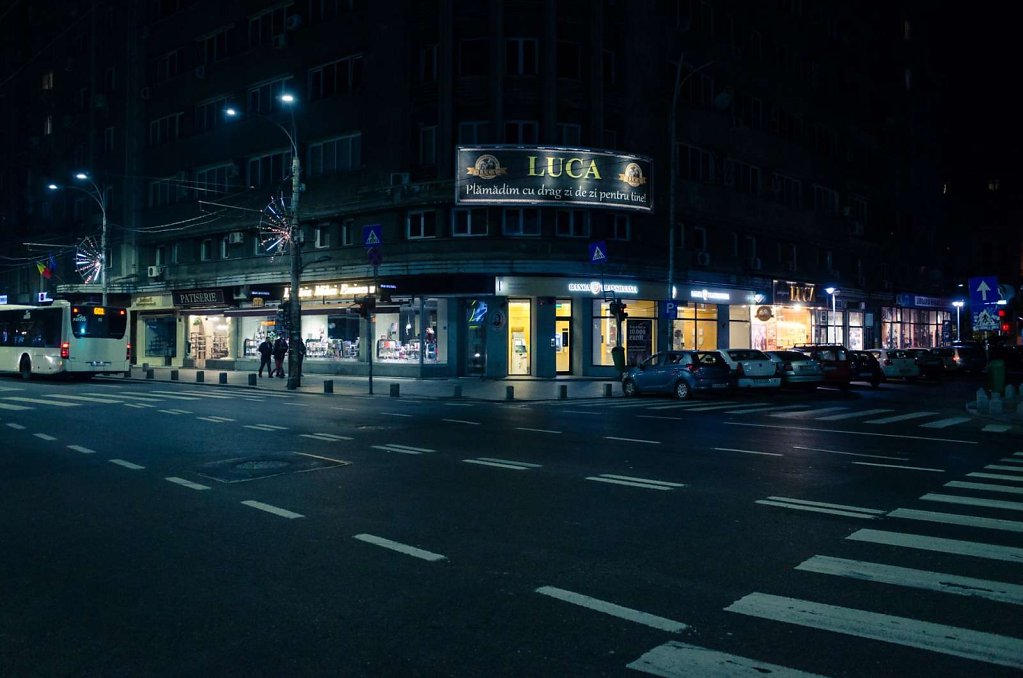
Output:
x,y
975,549
14,408
999,467
329,437
995,476
974,501
945,423
186,483
959,642
808,413
138,406
996,428
958,519
1001,592
900,417
719,406
511,465
769,408
269,508
682,659
853,415
87,399
40,401
984,487
16,427
612,609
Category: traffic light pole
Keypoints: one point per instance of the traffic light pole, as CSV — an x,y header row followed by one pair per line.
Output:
x,y
371,327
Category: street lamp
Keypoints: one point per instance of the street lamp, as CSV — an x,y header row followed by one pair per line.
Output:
x,y
958,303
99,195
833,291
295,236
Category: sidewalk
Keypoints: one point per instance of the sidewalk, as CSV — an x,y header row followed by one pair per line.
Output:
x,y
469,388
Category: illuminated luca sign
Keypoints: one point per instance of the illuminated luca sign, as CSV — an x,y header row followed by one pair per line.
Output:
x,y
540,175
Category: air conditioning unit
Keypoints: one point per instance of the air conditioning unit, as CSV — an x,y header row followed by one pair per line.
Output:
x,y
399,178
293,23
703,258
279,41
200,72
155,271
236,238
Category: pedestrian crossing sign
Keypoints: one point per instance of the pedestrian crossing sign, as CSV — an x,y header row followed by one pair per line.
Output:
x,y
598,252
371,236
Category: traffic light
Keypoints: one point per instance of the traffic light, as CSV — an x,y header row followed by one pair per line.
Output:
x,y
613,308
1003,321
622,315
365,306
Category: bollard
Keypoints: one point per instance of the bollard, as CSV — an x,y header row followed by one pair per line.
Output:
x,y
252,380
174,375
395,389
1011,393
509,393
200,376
607,390
996,404
150,373
562,391
982,401
328,385
458,391
222,377
1019,411
145,366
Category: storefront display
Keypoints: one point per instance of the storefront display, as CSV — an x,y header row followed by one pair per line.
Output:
x,y
642,314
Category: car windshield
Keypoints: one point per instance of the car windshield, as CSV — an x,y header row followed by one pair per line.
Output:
x,y
944,352
746,354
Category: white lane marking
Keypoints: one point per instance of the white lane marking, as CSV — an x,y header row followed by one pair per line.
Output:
x,y
958,519
730,449
14,408
83,450
269,508
995,476
647,416
400,548
1000,467
595,413
984,487
996,428
10,388
41,401
907,468
454,405
850,454
974,501
44,436
808,413
976,645
502,463
317,456
945,423
345,409
462,421
900,417
681,659
535,430
265,427
630,481
126,464
711,408
17,427
769,408
126,396
329,437
857,433
627,613
138,406
1014,460
394,414
216,419
633,440
822,507
853,415
87,399
186,483
975,549
1002,592
403,449
172,411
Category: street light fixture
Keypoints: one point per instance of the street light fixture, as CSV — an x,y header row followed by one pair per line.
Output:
x,y
295,236
958,303
833,291
99,195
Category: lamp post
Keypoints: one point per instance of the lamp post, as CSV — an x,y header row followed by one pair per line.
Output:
x,y
99,195
833,292
295,236
958,303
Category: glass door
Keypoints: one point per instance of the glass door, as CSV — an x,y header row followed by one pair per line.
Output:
x,y
563,336
519,345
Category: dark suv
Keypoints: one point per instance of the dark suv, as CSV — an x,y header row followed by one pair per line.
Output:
x,y
680,373
834,361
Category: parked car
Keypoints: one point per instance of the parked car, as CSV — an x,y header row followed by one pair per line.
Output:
x,y
798,370
864,367
681,373
896,363
834,360
969,357
948,358
930,365
751,368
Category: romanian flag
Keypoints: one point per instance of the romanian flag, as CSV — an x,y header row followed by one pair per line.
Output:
x,y
44,270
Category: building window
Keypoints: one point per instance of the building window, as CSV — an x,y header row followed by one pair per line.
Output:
x,y
696,164
165,129
750,111
474,58
569,60
698,89
699,238
109,135
264,27
825,200
426,68
266,97
110,78
271,168
48,125
349,234
206,250
857,208
422,224
572,224
521,132
210,113
994,184
337,77
160,255
475,132
48,80
607,66
175,253
743,177
569,134
340,154
621,227
321,236
520,56
786,190
213,180
521,221
610,138
428,145
168,65
468,222
213,47
162,192
225,247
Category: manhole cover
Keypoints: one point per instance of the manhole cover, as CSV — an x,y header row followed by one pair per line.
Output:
x,y
242,469
261,465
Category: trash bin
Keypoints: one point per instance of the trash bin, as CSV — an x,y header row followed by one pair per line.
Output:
x,y
996,376
618,355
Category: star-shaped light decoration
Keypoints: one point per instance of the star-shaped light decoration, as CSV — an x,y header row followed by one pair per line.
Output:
x,y
275,228
88,261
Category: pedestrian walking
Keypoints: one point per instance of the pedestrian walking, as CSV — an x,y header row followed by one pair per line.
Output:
x,y
280,350
266,351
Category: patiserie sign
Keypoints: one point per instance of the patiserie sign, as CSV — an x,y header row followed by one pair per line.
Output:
x,y
199,298
540,175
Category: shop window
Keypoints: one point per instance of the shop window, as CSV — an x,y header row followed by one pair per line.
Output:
x,y
738,327
695,327
639,336
520,344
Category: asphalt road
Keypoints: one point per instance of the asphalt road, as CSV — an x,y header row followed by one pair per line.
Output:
x,y
179,529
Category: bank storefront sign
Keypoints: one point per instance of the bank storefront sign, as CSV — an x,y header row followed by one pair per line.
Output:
x,y
550,176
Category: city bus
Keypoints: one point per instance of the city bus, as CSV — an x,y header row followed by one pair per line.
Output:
x,y
64,339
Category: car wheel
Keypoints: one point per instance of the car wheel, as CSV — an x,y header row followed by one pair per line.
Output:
x,y
682,390
25,368
629,388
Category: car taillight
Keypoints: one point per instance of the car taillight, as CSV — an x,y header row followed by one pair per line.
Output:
x,y
888,362
739,371
65,350
692,367
127,353
786,367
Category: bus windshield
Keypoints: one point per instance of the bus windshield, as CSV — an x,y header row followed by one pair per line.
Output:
x,y
98,322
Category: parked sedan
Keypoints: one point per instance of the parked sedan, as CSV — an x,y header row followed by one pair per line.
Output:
x,y
681,373
864,367
896,363
751,368
798,370
834,360
930,364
